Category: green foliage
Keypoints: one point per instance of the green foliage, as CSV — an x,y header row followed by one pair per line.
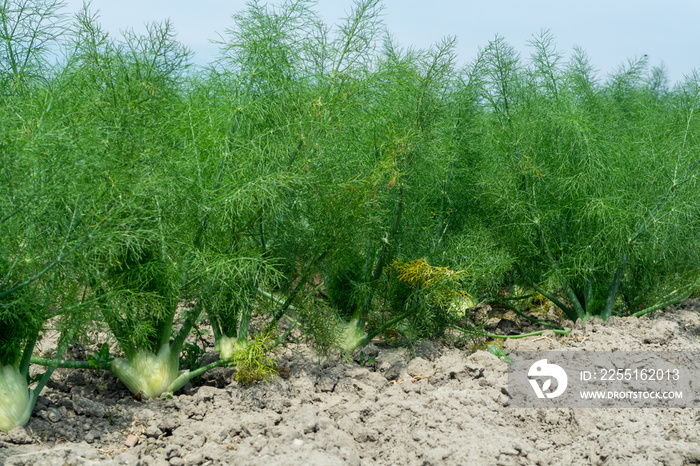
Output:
x,y
342,286
42,224
499,352
18,324
433,293
101,358
360,187
28,32
253,361
126,89
366,360
586,182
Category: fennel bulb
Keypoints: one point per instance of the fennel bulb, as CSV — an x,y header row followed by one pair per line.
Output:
x,y
150,375
351,336
15,399
228,347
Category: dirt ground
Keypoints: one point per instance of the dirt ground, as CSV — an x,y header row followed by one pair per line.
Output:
x,y
427,405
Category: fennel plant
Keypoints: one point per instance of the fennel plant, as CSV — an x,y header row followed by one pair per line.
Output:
x,y
125,116
42,227
589,184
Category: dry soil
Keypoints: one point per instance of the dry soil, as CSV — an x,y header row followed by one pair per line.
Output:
x,y
426,405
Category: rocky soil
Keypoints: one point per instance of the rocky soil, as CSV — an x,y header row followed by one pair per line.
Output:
x,y
426,405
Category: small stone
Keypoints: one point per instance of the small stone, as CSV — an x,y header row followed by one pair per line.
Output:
x,y
357,373
146,414
661,333
19,436
436,455
124,458
206,394
194,458
244,432
153,431
171,451
82,405
306,419
394,372
197,441
326,383
427,350
693,455
131,440
53,415
419,367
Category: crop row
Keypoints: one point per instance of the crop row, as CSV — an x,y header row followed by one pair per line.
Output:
x,y
320,183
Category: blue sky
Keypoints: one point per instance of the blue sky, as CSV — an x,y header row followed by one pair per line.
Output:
x,y
609,31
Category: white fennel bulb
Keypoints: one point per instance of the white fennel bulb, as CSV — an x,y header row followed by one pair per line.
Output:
x,y
15,399
150,375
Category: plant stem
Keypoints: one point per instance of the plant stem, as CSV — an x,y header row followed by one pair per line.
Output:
x,y
27,353
569,311
244,325
63,364
669,302
279,313
614,289
530,318
215,327
51,367
368,337
203,369
565,331
281,338
383,255
186,328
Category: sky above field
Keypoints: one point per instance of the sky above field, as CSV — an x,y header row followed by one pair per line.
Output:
x,y
610,31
